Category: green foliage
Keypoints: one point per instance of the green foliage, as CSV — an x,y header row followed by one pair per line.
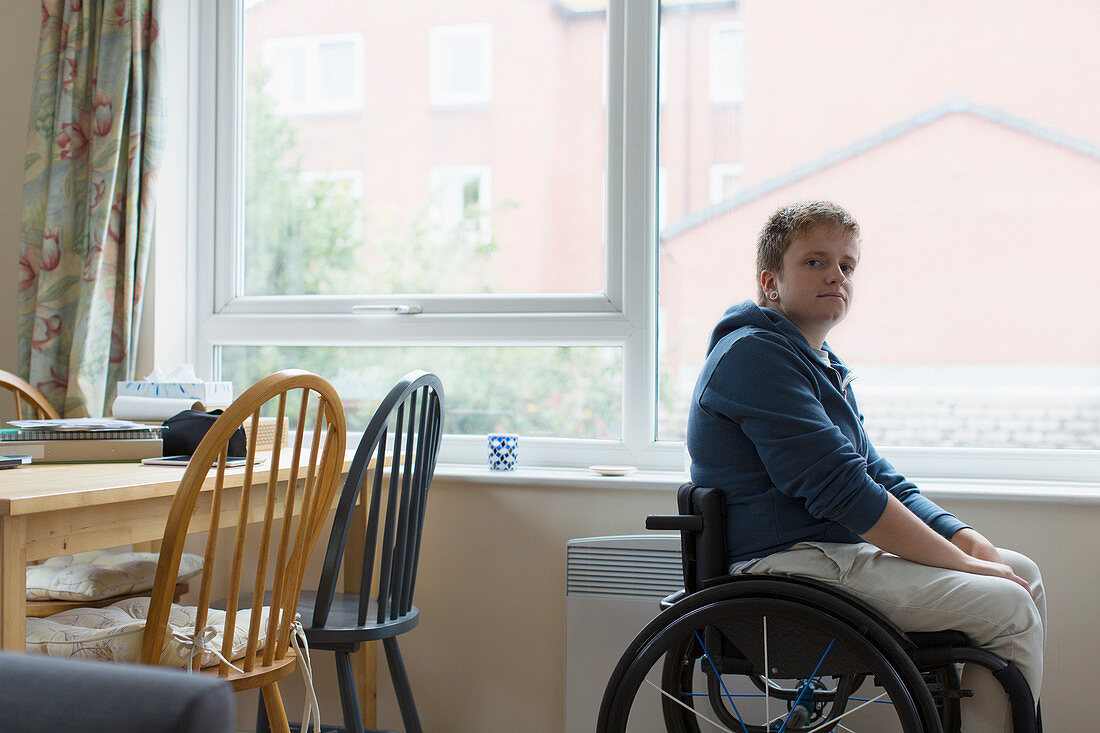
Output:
x,y
533,391
299,235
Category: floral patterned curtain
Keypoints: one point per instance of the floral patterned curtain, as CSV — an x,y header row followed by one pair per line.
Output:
x,y
93,151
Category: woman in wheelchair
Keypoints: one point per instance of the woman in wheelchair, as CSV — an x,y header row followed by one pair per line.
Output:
x,y
775,431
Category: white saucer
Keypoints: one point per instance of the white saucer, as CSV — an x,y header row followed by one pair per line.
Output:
x,y
613,470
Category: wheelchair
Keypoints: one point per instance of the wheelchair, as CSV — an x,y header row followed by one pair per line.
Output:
x,y
779,654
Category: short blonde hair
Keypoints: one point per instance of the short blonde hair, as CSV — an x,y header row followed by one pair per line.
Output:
x,y
788,223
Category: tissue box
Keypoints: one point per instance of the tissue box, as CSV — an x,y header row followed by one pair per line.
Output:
x,y
208,393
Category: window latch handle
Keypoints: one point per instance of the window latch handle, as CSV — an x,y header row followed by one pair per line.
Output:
x,y
403,310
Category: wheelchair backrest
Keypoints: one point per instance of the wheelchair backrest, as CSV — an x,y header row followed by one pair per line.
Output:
x,y
703,553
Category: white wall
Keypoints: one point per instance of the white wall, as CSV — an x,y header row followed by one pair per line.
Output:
x,y
19,41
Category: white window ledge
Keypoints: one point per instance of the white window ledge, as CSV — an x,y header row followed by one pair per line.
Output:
x,y
1053,492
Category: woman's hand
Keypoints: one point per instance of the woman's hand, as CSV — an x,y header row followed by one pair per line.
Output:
x,y
901,532
974,544
996,570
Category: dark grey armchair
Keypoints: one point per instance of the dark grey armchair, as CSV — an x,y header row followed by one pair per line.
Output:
x,y
48,694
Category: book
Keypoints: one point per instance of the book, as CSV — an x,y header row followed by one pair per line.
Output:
x,y
148,432
81,451
76,423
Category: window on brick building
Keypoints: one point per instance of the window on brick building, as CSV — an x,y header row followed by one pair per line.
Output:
x,y
461,64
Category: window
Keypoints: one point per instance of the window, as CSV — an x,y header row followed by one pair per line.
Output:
x,y
363,247
725,181
314,74
461,65
727,63
461,201
563,282
962,173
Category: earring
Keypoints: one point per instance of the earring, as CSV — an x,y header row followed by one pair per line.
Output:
x,y
773,295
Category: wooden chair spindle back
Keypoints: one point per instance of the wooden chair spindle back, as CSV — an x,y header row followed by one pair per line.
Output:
x,y
398,451
305,486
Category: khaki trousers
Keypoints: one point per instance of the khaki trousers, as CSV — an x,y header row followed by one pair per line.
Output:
x,y
995,613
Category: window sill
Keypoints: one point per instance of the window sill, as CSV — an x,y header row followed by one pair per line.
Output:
x,y
559,477
1053,492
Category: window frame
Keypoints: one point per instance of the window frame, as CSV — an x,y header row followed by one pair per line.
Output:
x,y
314,104
624,315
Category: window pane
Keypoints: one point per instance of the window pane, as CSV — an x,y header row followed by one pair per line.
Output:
x,y
286,74
570,392
336,66
460,64
972,170
537,132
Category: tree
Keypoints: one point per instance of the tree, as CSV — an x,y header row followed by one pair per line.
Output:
x,y
300,235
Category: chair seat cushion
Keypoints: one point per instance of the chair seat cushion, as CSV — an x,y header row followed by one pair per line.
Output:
x,y
114,633
95,575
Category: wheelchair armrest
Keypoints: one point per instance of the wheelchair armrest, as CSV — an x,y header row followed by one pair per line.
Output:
x,y
681,522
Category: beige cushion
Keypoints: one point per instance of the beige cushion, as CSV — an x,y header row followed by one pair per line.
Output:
x,y
113,633
93,576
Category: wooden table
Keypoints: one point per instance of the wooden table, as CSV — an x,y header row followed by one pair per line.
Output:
x,y
59,509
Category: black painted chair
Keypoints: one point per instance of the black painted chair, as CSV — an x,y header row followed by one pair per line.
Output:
x,y
405,432
761,654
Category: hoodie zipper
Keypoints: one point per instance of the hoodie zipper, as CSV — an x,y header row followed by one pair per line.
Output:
x,y
844,381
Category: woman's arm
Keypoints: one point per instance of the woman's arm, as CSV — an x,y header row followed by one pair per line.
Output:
x,y
971,541
901,532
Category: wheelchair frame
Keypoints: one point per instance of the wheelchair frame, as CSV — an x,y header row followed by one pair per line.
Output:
x,y
919,669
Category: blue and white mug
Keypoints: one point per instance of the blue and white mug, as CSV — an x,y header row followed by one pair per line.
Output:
x,y
502,451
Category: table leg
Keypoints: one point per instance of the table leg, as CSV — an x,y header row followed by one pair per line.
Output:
x,y
364,663
13,583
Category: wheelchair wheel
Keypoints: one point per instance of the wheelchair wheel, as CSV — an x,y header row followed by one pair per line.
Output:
x,y
758,664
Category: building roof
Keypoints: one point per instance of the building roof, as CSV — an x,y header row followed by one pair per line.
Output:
x,y
955,104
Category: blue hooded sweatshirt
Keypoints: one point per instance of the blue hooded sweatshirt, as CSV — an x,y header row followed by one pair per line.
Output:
x,y
780,433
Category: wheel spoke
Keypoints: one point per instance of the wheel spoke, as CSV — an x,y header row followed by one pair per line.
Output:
x,y
695,712
845,714
808,685
721,681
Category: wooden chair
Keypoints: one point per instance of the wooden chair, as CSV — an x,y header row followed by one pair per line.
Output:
x,y
23,392
306,508
287,519
408,423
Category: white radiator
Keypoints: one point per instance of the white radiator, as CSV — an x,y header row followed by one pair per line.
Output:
x,y
613,588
